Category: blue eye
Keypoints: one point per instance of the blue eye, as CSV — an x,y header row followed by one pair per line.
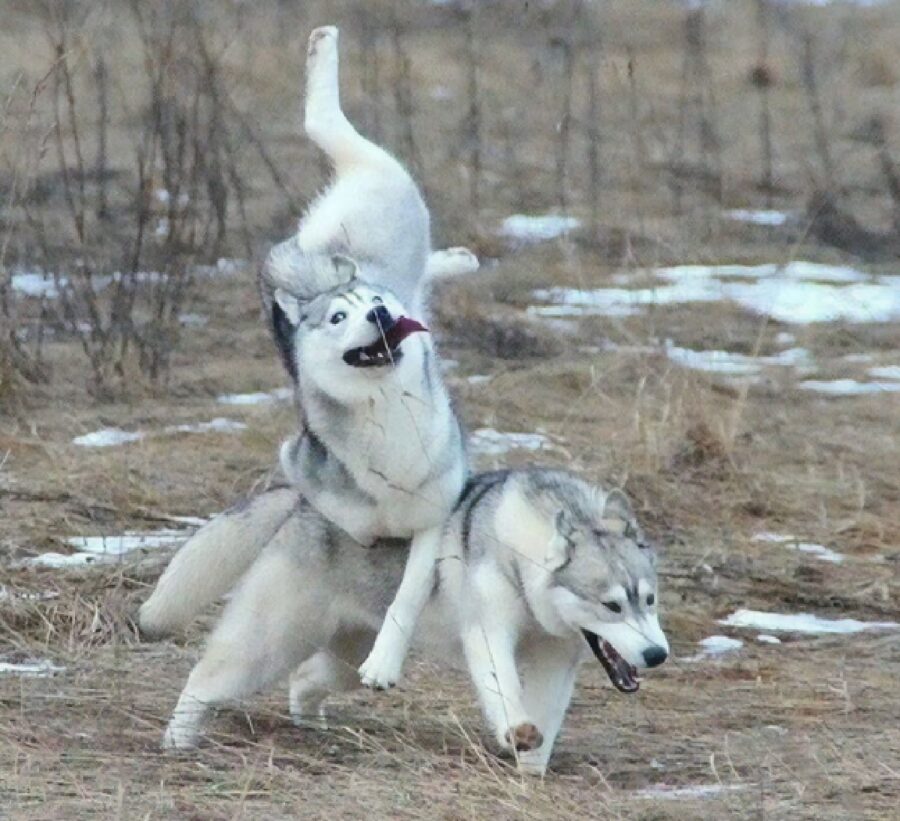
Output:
x,y
337,318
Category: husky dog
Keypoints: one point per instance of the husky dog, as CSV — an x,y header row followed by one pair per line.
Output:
x,y
380,452
536,568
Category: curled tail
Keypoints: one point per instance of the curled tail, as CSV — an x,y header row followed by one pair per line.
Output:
x,y
210,563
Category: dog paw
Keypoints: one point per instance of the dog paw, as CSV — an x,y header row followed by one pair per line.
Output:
x,y
321,37
524,737
381,670
179,738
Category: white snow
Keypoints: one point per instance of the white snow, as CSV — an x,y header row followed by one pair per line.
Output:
x,y
479,379
531,228
784,338
826,554
107,437
800,292
690,791
801,623
36,284
490,442
767,638
885,372
193,320
128,541
717,646
217,425
32,669
259,398
848,387
758,217
735,364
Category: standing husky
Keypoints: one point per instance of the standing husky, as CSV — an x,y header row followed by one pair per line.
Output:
x,y
380,452
536,567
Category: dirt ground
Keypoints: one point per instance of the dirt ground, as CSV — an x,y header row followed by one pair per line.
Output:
x,y
805,728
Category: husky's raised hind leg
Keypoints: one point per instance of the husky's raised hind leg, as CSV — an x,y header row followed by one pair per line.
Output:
x,y
325,122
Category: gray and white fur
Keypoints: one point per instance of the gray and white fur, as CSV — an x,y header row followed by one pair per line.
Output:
x,y
536,570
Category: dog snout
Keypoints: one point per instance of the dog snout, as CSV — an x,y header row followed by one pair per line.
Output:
x,y
654,656
381,316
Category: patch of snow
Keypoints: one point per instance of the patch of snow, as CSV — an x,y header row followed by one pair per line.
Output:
x,y
758,217
217,425
735,364
713,646
826,554
32,669
800,292
801,623
128,541
162,195
162,228
857,357
61,560
107,437
490,442
848,387
479,379
259,398
690,791
37,284
767,638
193,320
784,338
441,92
448,365
532,228
885,372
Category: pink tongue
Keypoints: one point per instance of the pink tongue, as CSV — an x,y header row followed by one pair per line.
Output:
x,y
402,328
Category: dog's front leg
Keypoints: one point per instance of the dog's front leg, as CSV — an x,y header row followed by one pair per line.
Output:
x,y
550,665
381,669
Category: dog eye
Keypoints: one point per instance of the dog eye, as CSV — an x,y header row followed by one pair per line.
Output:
x,y
377,300
613,605
338,317
651,600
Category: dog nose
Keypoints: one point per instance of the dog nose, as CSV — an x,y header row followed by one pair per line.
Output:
x,y
381,316
654,656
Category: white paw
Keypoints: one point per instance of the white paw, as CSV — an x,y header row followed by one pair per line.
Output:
x,y
309,718
179,738
381,670
322,41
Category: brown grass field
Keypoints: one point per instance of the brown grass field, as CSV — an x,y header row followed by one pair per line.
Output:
x,y
808,728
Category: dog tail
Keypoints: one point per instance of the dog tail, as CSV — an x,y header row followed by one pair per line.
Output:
x,y
210,563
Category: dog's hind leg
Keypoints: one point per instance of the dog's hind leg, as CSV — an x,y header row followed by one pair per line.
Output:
x,y
325,122
332,670
267,629
549,669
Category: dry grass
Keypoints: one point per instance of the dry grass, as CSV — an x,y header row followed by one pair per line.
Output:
x,y
806,729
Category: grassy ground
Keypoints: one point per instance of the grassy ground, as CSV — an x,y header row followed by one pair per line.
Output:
x,y
804,729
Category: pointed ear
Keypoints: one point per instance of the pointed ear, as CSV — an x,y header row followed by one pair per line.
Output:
x,y
289,304
559,549
344,268
618,513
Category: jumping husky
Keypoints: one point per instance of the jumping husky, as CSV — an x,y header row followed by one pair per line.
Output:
x,y
380,451
536,567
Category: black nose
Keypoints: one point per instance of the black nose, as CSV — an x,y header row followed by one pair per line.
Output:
x,y
381,316
654,656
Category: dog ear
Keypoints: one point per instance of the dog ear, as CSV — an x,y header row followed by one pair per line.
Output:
x,y
289,305
618,514
284,326
346,270
562,542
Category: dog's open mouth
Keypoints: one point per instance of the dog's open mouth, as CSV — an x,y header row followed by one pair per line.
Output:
x,y
620,672
384,350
